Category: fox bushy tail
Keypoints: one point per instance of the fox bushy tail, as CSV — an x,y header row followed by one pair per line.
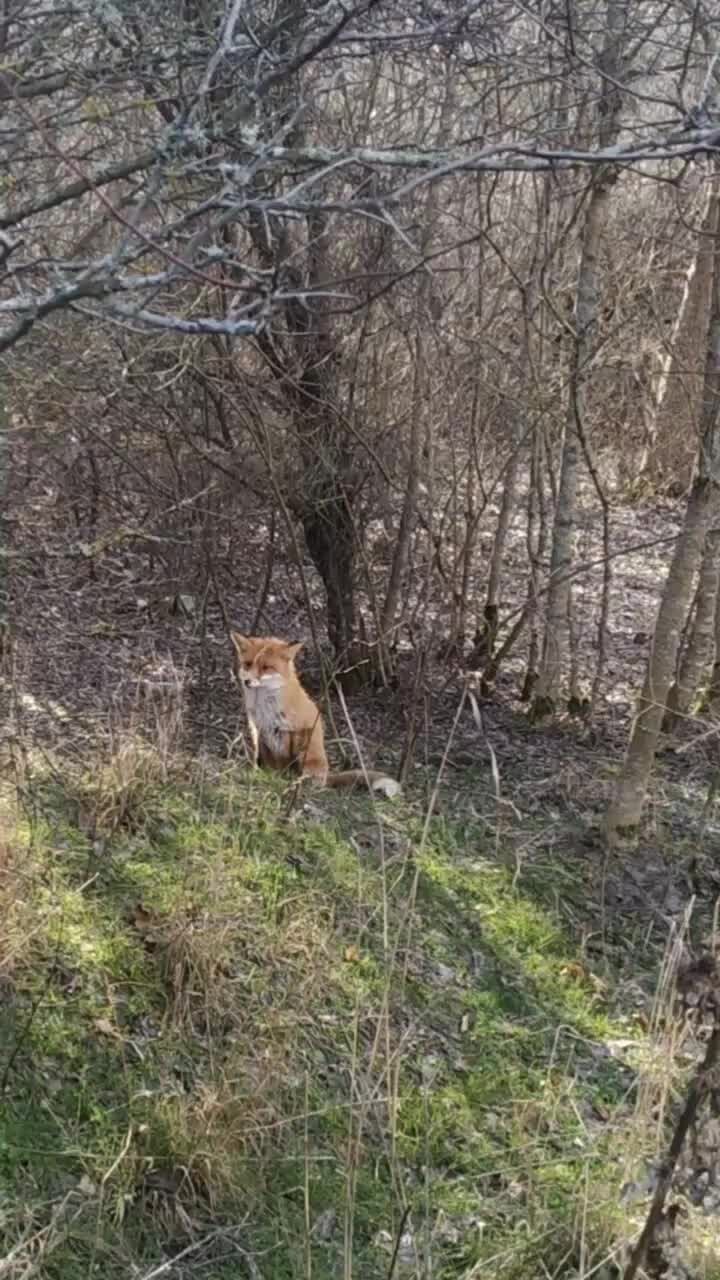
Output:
x,y
370,778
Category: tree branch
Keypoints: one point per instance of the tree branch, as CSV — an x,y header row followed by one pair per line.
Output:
x,y
73,190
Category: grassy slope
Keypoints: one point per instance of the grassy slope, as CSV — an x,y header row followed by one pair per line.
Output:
x,y
271,1036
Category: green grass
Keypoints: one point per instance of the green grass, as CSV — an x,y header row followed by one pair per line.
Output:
x,y
266,1033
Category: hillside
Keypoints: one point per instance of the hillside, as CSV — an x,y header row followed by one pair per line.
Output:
x,y
278,1035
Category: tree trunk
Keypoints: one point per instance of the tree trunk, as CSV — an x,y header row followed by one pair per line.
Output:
x,y
703,506
523,441
587,298
626,809
670,450
306,363
326,502
712,702
508,506
700,648
408,514
4,522
327,498
324,499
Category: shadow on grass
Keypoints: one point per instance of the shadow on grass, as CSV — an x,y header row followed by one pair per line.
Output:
x,y
223,1012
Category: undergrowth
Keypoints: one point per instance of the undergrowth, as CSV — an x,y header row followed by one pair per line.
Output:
x,y
283,1036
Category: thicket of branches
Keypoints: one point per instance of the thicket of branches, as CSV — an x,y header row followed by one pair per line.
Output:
x,y
375,279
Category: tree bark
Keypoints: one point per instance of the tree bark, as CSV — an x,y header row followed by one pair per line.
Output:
x,y
587,299
306,363
325,505
712,702
700,649
703,507
670,450
523,441
4,523
408,514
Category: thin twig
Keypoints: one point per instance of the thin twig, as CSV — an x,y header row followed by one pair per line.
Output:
x,y
700,1086
398,1242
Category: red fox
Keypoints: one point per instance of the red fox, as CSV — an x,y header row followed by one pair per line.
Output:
x,y
286,728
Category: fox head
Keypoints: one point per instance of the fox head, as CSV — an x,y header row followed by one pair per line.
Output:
x,y
263,662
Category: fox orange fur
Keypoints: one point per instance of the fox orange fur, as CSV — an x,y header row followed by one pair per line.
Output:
x,y
286,727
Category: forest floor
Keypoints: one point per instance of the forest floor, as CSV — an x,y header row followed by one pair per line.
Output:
x,y
250,1032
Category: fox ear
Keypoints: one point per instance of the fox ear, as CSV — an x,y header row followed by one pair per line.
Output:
x,y
293,649
240,642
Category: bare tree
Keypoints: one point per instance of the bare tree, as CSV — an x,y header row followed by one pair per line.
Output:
x,y
277,221
670,448
702,508
700,648
587,303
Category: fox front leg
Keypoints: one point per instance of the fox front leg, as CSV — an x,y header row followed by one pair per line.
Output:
x,y
254,744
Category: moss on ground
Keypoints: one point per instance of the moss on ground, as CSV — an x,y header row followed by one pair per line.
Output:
x,y
272,1032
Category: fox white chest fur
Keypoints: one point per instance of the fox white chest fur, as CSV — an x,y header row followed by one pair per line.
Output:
x,y
265,712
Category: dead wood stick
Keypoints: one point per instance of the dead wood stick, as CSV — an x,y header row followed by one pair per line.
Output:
x,y
700,1085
